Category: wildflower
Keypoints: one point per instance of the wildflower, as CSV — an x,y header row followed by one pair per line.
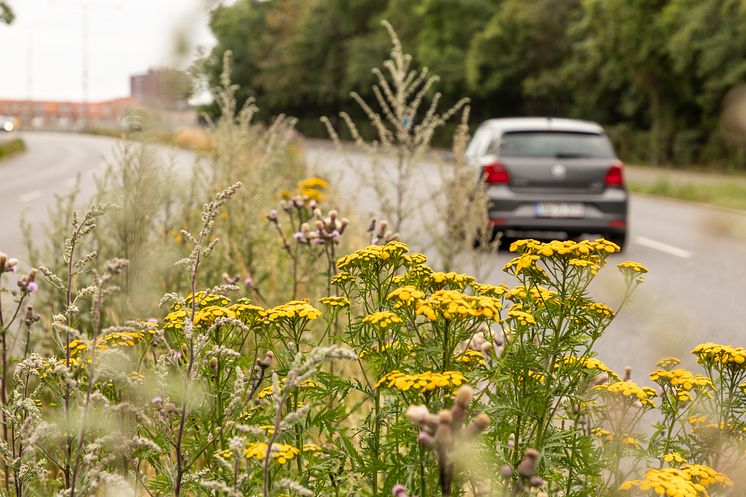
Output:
x,y
414,259
668,362
688,481
337,302
281,453
453,280
272,216
245,311
422,382
519,315
342,277
208,315
382,319
268,391
600,310
674,457
591,265
629,389
682,382
489,290
471,357
295,309
635,267
590,363
712,354
174,320
406,295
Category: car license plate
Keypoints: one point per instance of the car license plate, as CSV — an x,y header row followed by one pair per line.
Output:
x,y
560,210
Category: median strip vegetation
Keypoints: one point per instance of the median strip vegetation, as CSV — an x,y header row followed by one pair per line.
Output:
x,y
11,147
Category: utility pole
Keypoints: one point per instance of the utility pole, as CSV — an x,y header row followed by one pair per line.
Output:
x,y
84,42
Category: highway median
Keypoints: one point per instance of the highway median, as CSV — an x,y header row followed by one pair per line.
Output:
x,y
11,147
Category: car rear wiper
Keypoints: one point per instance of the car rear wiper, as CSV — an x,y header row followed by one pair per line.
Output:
x,y
572,156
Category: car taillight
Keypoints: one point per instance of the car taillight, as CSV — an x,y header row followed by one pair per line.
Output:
x,y
495,173
614,175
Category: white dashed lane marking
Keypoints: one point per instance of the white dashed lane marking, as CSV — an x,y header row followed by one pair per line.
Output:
x,y
663,247
29,196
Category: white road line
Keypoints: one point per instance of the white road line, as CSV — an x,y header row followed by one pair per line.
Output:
x,y
663,247
29,196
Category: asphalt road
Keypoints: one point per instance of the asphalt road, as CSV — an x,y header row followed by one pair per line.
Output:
x,y
695,290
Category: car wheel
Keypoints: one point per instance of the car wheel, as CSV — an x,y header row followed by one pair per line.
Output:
x,y
618,238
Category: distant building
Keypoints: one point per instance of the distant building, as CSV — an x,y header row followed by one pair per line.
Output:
x,y
162,88
160,93
50,114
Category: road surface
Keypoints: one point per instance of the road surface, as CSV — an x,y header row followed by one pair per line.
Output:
x,y
695,290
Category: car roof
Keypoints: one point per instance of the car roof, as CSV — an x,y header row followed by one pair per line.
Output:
x,y
511,124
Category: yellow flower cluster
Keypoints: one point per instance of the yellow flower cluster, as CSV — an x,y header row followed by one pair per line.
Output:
x,y
115,339
281,453
590,363
489,290
668,362
453,280
414,259
665,481
521,263
600,309
520,316
450,304
607,436
423,382
174,320
207,315
382,319
472,357
407,295
342,277
682,382
565,248
634,267
674,458
292,310
373,253
586,264
630,389
537,293
312,188
688,481
711,354
245,311
267,391
203,299
340,302
375,349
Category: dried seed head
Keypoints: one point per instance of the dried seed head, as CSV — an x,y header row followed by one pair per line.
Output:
x,y
417,414
214,363
332,215
480,423
3,260
627,373
464,395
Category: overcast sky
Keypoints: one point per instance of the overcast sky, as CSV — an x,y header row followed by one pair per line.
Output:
x,y
41,53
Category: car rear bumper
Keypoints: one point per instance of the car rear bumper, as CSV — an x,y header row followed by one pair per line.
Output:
x,y
604,212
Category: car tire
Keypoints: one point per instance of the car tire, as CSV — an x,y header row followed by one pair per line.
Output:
x,y
618,238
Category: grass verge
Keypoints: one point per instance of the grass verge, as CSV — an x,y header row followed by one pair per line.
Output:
x,y
730,195
11,147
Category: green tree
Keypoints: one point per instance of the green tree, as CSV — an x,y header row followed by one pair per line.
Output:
x,y
6,13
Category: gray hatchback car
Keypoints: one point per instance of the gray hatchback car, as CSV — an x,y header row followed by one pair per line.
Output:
x,y
551,175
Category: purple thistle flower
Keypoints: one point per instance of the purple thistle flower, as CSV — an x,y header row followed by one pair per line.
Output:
x,y
335,236
313,204
318,241
272,216
298,236
32,287
249,282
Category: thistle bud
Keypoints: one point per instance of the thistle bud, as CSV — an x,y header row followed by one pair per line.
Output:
x,y
506,471
416,414
536,481
214,363
399,491
313,204
272,216
184,350
343,223
480,423
3,260
627,373
528,464
426,440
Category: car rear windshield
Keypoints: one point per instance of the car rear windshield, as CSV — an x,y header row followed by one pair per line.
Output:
x,y
557,144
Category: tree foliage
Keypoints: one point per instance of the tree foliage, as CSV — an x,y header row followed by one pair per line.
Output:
x,y
655,72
